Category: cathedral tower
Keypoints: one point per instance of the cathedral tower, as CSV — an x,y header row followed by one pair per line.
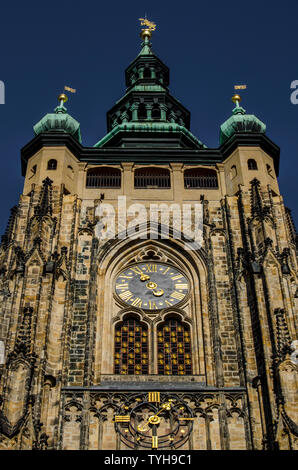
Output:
x,y
148,284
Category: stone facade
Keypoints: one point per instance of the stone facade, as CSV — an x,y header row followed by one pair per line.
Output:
x,y
59,309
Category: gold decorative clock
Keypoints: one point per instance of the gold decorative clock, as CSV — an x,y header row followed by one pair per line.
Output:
x,y
151,286
154,420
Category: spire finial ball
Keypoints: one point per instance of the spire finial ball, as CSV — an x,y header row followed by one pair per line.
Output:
x,y
236,98
146,33
62,97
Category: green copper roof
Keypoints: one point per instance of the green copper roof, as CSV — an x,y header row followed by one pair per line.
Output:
x,y
59,121
240,122
149,127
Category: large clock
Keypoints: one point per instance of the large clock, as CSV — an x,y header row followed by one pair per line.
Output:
x,y
151,286
154,420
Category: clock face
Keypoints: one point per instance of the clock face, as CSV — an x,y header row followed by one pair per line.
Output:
x,y
154,420
151,286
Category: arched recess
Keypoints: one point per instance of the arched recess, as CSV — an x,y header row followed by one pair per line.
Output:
x,y
121,253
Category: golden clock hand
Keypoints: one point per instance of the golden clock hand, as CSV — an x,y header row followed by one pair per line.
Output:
x,y
155,419
152,418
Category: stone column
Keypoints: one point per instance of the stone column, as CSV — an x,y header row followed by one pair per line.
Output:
x,y
134,109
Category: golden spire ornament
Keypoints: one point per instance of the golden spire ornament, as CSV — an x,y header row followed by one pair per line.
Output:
x,y
149,27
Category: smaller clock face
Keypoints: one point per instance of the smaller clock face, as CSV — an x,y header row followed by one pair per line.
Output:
x,y
151,286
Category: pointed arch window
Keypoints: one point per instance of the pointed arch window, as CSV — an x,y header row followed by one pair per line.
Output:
x,y
152,178
252,164
104,177
131,347
174,348
196,178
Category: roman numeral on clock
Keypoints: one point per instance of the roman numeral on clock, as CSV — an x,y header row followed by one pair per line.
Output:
x,y
137,302
123,286
122,419
151,268
152,305
125,295
181,286
178,295
154,397
178,276
136,270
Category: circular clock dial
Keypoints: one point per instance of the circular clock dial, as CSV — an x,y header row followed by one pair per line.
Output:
x,y
154,420
151,286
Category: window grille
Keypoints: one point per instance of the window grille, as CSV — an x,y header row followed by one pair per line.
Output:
x,y
103,178
200,178
131,348
174,348
152,178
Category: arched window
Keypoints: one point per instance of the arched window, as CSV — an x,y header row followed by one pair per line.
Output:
x,y
52,164
103,177
200,178
156,111
142,112
252,164
147,72
174,348
152,178
131,347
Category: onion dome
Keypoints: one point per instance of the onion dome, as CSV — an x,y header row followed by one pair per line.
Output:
x,y
59,121
240,122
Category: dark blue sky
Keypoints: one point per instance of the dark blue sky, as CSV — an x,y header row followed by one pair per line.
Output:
x,y
209,46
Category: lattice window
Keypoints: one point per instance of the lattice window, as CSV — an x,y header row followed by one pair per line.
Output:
x,y
174,348
200,178
152,178
103,177
131,348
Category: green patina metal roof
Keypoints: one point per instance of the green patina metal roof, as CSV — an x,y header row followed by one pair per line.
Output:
x,y
162,127
59,121
240,122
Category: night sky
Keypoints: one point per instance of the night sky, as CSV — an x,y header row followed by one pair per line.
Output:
x,y
208,46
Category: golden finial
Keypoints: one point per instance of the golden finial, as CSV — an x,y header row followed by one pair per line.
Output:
x,y
150,26
62,98
236,99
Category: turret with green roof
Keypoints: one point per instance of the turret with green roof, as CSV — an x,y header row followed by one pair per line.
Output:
x,y
59,121
240,122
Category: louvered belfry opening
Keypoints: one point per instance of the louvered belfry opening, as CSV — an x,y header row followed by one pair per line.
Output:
x,y
152,178
103,177
200,178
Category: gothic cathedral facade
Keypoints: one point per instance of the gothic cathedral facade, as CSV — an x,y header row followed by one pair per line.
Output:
x,y
134,339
